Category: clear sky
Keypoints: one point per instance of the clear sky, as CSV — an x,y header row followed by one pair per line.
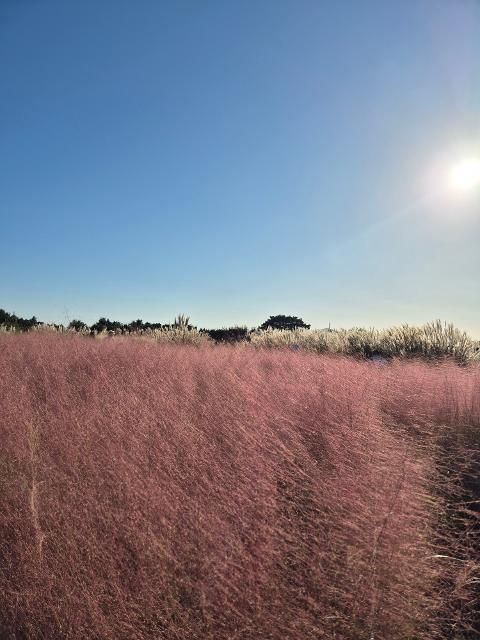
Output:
x,y
234,160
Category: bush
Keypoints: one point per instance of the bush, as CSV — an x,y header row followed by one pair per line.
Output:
x,y
230,335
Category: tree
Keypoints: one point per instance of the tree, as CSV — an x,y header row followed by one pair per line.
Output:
x,y
230,334
104,324
13,321
77,325
284,322
135,325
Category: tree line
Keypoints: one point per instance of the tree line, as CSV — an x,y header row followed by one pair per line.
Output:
x,y
12,321
226,334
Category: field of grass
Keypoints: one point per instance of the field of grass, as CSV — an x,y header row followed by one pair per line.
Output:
x,y
433,340
165,491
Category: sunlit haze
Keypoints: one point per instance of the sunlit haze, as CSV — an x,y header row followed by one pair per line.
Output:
x,y
465,175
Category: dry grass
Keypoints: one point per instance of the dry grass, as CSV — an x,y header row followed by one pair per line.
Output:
x,y
431,341
160,491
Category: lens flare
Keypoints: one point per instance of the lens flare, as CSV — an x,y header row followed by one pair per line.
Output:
x,y
465,175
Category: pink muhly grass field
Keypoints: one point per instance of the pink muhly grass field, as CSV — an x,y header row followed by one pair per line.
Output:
x,y
185,493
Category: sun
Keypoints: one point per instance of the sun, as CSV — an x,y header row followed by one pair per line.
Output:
x,y
465,176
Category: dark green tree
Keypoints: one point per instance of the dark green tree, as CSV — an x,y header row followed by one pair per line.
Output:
x,y
136,324
230,334
13,321
284,322
77,325
104,324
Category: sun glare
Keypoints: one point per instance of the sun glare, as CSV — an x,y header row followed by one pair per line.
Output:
x,y
465,175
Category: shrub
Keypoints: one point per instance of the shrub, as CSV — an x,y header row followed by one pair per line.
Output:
x,y
230,335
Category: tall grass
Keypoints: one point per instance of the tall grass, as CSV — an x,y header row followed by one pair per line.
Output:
x,y
159,491
435,340
178,333
430,341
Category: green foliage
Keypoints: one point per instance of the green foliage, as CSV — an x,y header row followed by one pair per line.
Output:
x,y
229,335
77,325
12,321
282,323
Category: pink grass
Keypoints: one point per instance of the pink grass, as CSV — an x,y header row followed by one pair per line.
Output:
x,y
221,493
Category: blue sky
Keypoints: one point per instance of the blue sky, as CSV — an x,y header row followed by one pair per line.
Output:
x,y
233,160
